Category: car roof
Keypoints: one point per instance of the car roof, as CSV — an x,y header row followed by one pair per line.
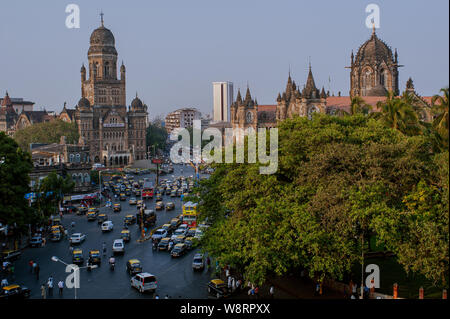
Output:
x,y
134,261
76,234
11,287
77,251
95,252
145,274
179,245
165,239
125,231
118,240
217,282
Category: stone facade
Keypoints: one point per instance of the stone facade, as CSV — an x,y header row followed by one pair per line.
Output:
x,y
116,136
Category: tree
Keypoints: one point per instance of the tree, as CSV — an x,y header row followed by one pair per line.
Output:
x,y
15,165
50,193
440,109
340,180
47,132
399,115
359,106
156,135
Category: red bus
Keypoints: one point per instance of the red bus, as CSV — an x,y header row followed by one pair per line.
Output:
x,y
147,190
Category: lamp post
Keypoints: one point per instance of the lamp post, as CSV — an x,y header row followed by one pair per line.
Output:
x,y
56,259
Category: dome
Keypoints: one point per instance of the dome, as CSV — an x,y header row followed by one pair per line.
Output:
x,y
84,102
374,49
102,41
136,103
378,90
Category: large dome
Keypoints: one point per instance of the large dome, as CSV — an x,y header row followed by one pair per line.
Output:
x,y
374,49
102,41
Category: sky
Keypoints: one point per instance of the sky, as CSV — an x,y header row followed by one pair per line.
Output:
x,y
174,49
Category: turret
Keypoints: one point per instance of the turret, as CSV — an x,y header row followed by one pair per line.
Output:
x,y
83,73
122,72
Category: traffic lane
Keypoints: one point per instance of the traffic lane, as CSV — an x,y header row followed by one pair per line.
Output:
x,y
101,282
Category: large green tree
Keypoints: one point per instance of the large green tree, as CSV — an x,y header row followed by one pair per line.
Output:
x,y
156,135
340,180
47,132
440,110
15,165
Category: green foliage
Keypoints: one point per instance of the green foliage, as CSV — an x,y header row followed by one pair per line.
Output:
x,y
47,132
15,165
50,192
340,179
156,135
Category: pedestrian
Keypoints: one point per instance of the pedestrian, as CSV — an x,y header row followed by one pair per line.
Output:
x,y
50,286
43,292
72,224
227,272
238,285
316,293
104,248
272,292
256,290
233,284
229,282
36,271
61,287
43,241
34,267
208,262
4,282
31,263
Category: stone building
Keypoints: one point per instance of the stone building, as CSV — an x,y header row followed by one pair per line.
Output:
x,y
374,72
115,135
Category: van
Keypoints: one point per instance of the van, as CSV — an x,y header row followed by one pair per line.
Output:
x,y
107,226
144,281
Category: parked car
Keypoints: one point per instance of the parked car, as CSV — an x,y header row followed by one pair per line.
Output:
x,y
107,226
77,238
118,246
144,281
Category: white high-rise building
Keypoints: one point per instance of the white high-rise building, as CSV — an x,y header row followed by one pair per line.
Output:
x,y
223,98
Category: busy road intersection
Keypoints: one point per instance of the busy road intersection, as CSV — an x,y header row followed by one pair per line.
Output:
x,y
175,276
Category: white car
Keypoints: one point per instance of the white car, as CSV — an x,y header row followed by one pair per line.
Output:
x,y
178,232
118,246
77,238
159,233
144,281
184,226
107,226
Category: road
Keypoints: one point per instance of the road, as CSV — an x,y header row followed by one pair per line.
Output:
x,y
174,275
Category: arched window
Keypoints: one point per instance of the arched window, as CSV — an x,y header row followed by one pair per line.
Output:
x,y
384,78
71,157
78,158
87,178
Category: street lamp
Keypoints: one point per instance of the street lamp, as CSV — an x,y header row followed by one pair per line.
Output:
x,y
75,268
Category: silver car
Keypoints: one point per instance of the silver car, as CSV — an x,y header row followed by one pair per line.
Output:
x,y
198,263
77,238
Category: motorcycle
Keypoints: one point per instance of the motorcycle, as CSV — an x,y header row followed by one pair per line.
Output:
x,y
154,246
112,265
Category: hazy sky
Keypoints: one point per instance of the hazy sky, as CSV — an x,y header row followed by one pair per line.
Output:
x,y
174,49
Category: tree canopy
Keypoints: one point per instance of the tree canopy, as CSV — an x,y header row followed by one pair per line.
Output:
x,y
156,135
15,165
47,132
340,179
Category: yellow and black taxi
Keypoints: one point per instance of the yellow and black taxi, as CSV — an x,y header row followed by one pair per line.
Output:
x,y
167,228
123,197
91,215
178,250
158,197
125,235
139,203
164,243
137,192
179,239
81,210
128,191
173,193
94,257
218,288
129,219
132,201
191,232
55,221
94,209
117,207
170,206
189,242
134,266
101,218
14,292
77,257
56,233
175,222
159,205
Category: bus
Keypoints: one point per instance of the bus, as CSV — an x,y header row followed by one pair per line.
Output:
x,y
190,214
147,190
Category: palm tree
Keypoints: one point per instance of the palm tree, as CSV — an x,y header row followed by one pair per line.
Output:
x,y
440,109
399,115
358,105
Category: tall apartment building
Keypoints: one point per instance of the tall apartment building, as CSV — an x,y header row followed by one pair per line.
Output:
x,y
181,118
222,100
